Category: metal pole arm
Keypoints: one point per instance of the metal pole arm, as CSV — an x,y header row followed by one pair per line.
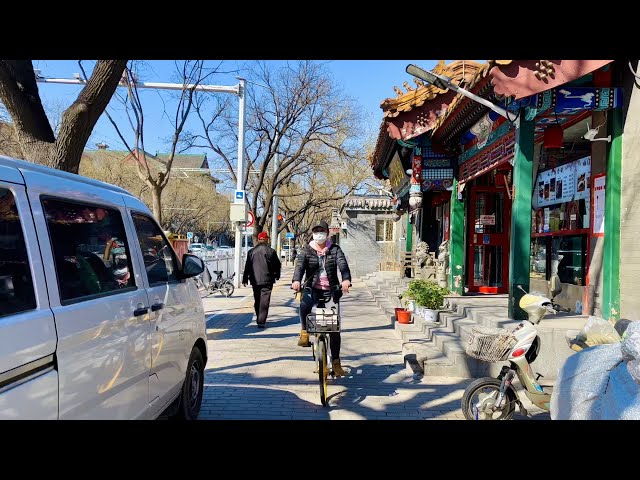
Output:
x,y
443,82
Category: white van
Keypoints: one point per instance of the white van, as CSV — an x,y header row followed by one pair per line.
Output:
x,y
97,319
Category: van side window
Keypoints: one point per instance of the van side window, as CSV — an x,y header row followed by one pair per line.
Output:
x,y
16,286
159,259
89,249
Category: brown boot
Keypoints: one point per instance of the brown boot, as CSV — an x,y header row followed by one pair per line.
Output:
x,y
337,368
303,341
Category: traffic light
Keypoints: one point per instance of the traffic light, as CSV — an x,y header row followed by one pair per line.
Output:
x,y
280,218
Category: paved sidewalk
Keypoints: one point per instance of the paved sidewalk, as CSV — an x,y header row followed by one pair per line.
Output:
x,y
262,374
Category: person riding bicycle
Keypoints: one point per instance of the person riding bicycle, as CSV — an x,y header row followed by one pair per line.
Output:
x,y
319,262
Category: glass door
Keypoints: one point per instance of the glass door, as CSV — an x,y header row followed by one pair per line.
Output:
x,y
488,254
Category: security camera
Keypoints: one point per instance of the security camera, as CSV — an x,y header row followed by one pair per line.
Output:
x,y
591,135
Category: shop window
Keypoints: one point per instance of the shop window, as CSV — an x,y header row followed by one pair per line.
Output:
x,y
538,259
564,255
384,230
570,254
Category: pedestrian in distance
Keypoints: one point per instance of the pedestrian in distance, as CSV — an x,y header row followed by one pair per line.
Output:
x,y
262,270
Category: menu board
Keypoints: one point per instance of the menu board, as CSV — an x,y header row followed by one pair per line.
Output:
x,y
563,184
583,180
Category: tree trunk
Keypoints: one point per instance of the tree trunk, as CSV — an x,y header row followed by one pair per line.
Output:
x,y
156,194
19,93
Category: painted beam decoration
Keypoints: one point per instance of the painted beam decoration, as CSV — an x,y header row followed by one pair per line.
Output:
x,y
436,173
569,101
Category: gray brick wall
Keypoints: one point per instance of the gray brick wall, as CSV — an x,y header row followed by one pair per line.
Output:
x,y
359,243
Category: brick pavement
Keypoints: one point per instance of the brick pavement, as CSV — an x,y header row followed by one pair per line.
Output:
x,y
262,374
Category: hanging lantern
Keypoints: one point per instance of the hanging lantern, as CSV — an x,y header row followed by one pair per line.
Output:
x,y
553,136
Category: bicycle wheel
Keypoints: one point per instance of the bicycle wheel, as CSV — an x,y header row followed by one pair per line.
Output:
x,y
322,370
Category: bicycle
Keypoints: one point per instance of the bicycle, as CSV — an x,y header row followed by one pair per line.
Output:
x,y
321,323
222,285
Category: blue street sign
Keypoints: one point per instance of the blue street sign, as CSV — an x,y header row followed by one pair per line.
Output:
x,y
189,235
290,235
239,196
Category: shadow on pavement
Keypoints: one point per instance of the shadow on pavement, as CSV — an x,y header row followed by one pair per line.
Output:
x,y
254,408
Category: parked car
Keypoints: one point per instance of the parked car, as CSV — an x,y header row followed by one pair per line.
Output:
x,y
97,319
197,248
224,250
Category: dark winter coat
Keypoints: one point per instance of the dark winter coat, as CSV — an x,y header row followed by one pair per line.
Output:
x,y
308,264
263,266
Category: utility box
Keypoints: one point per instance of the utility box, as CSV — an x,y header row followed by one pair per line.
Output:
x,y
238,212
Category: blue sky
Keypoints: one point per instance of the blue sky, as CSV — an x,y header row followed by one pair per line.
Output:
x,y
368,81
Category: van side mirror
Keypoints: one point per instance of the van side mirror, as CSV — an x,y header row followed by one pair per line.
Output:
x,y
192,265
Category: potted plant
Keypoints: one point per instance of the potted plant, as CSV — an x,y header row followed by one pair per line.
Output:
x,y
428,295
403,314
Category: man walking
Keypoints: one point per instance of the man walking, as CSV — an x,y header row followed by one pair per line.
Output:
x,y
263,270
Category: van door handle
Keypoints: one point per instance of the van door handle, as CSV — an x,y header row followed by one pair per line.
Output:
x,y
157,306
140,311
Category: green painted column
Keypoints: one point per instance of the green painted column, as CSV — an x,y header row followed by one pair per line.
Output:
x,y
409,234
521,217
456,242
611,257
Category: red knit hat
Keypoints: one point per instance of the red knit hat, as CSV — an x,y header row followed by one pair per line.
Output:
x,y
263,236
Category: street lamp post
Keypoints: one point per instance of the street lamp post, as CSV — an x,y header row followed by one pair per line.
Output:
x,y
239,183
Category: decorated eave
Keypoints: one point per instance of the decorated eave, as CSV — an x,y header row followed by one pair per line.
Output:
x,y
369,202
524,78
508,79
382,152
415,112
463,112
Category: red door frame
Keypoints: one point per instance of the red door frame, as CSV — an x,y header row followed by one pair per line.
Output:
x,y
495,239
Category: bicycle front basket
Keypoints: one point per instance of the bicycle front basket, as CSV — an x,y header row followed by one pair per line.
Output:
x,y
490,344
324,320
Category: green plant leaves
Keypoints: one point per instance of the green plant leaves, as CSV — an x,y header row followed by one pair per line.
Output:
x,y
426,293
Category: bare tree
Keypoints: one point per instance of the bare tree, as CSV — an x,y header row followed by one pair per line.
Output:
x,y
188,204
155,175
34,134
301,115
310,197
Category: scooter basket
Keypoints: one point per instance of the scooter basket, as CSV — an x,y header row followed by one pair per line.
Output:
x,y
490,344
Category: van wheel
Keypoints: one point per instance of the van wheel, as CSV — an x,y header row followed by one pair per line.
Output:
x,y
191,395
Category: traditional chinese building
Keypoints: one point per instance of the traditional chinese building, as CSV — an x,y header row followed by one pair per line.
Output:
x,y
524,197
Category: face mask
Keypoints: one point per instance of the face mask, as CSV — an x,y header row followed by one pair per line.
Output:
x,y
320,237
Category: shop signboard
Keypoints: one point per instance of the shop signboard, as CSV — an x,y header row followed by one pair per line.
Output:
x,y
563,184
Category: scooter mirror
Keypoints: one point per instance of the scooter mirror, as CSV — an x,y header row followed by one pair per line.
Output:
x,y
555,285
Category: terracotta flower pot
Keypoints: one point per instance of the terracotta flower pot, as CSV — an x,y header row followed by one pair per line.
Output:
x,y
403,316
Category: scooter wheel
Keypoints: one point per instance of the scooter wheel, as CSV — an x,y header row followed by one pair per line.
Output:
x,y
482,391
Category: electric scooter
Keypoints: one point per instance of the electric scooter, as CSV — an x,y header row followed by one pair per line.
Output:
x,y
491,398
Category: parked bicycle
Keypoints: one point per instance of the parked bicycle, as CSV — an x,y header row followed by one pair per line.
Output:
x,y
222,285
320,322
